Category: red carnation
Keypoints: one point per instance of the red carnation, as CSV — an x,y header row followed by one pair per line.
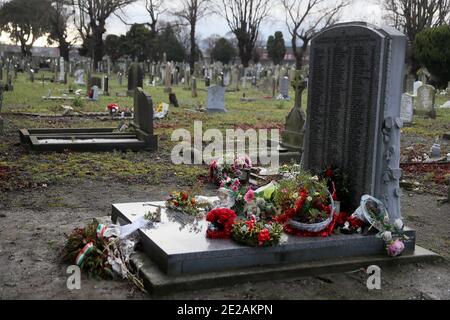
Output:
x,y
263,236
223,217
184,196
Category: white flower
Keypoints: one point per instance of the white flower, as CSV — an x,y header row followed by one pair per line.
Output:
x,y
387,236
398,224
386,218
315,178
309,198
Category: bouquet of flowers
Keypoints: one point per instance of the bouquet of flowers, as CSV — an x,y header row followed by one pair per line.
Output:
x,y
218,173
184,202
221,222
256,206
257,233
306,203
375,213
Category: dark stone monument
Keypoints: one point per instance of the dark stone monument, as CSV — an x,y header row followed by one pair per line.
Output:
x,y
135,78
173,100
95,81
207,82
353,118
1,105
106,86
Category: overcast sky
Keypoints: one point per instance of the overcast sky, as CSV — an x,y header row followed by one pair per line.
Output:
x,y
361,10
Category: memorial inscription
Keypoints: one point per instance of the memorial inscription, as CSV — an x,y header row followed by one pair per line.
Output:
x,y
354,108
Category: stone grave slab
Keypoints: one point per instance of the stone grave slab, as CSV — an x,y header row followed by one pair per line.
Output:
x,y
178,245
98,139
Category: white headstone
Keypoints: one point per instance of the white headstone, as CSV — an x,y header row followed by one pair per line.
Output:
x,y
416,86
79,76
61,70
407,109
425,97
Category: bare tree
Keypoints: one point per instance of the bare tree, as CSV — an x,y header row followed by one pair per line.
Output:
x,y
91,21
155,9
305,18
58,21
244,17
192,11
413,16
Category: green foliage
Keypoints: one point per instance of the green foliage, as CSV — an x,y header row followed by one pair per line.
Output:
x,y
78,102
114,46
223,51
169,44
248,233
25,21
276,48
432,49
137,42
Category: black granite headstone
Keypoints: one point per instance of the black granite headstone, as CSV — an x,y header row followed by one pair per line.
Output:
x,y
135,78
143,111
353,120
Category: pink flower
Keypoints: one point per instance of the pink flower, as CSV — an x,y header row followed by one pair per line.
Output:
x,y
395,248
213,164
235,188
285,190
249,196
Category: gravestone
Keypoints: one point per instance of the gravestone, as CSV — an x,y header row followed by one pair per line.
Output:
x,y
416,86
135,78
284,87
94,93
216,99
1,105
168,75
424,103
407,108
423,75
120,78
292,138
353,122
194,87
79,77
95,81
106,86
62,72
143,111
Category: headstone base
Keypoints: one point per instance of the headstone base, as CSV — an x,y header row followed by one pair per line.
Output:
x,y
157,282
178,245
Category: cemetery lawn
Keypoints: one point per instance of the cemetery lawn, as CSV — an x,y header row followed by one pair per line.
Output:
x,y
43,196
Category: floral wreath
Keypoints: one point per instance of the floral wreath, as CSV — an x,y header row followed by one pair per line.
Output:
x,y
221,223
257,233
183,202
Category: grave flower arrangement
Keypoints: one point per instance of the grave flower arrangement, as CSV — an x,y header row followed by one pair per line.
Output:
x,y
239,169
221,222
237,192
373,212
256,233
100,254
185,203
307,206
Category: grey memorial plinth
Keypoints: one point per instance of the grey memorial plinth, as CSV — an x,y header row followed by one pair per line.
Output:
x,y
178,244
353,118
216,99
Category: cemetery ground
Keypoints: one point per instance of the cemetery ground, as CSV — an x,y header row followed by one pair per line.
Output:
x,y
45,195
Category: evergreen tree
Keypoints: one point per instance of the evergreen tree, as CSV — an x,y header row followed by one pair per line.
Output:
x,y
276,48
